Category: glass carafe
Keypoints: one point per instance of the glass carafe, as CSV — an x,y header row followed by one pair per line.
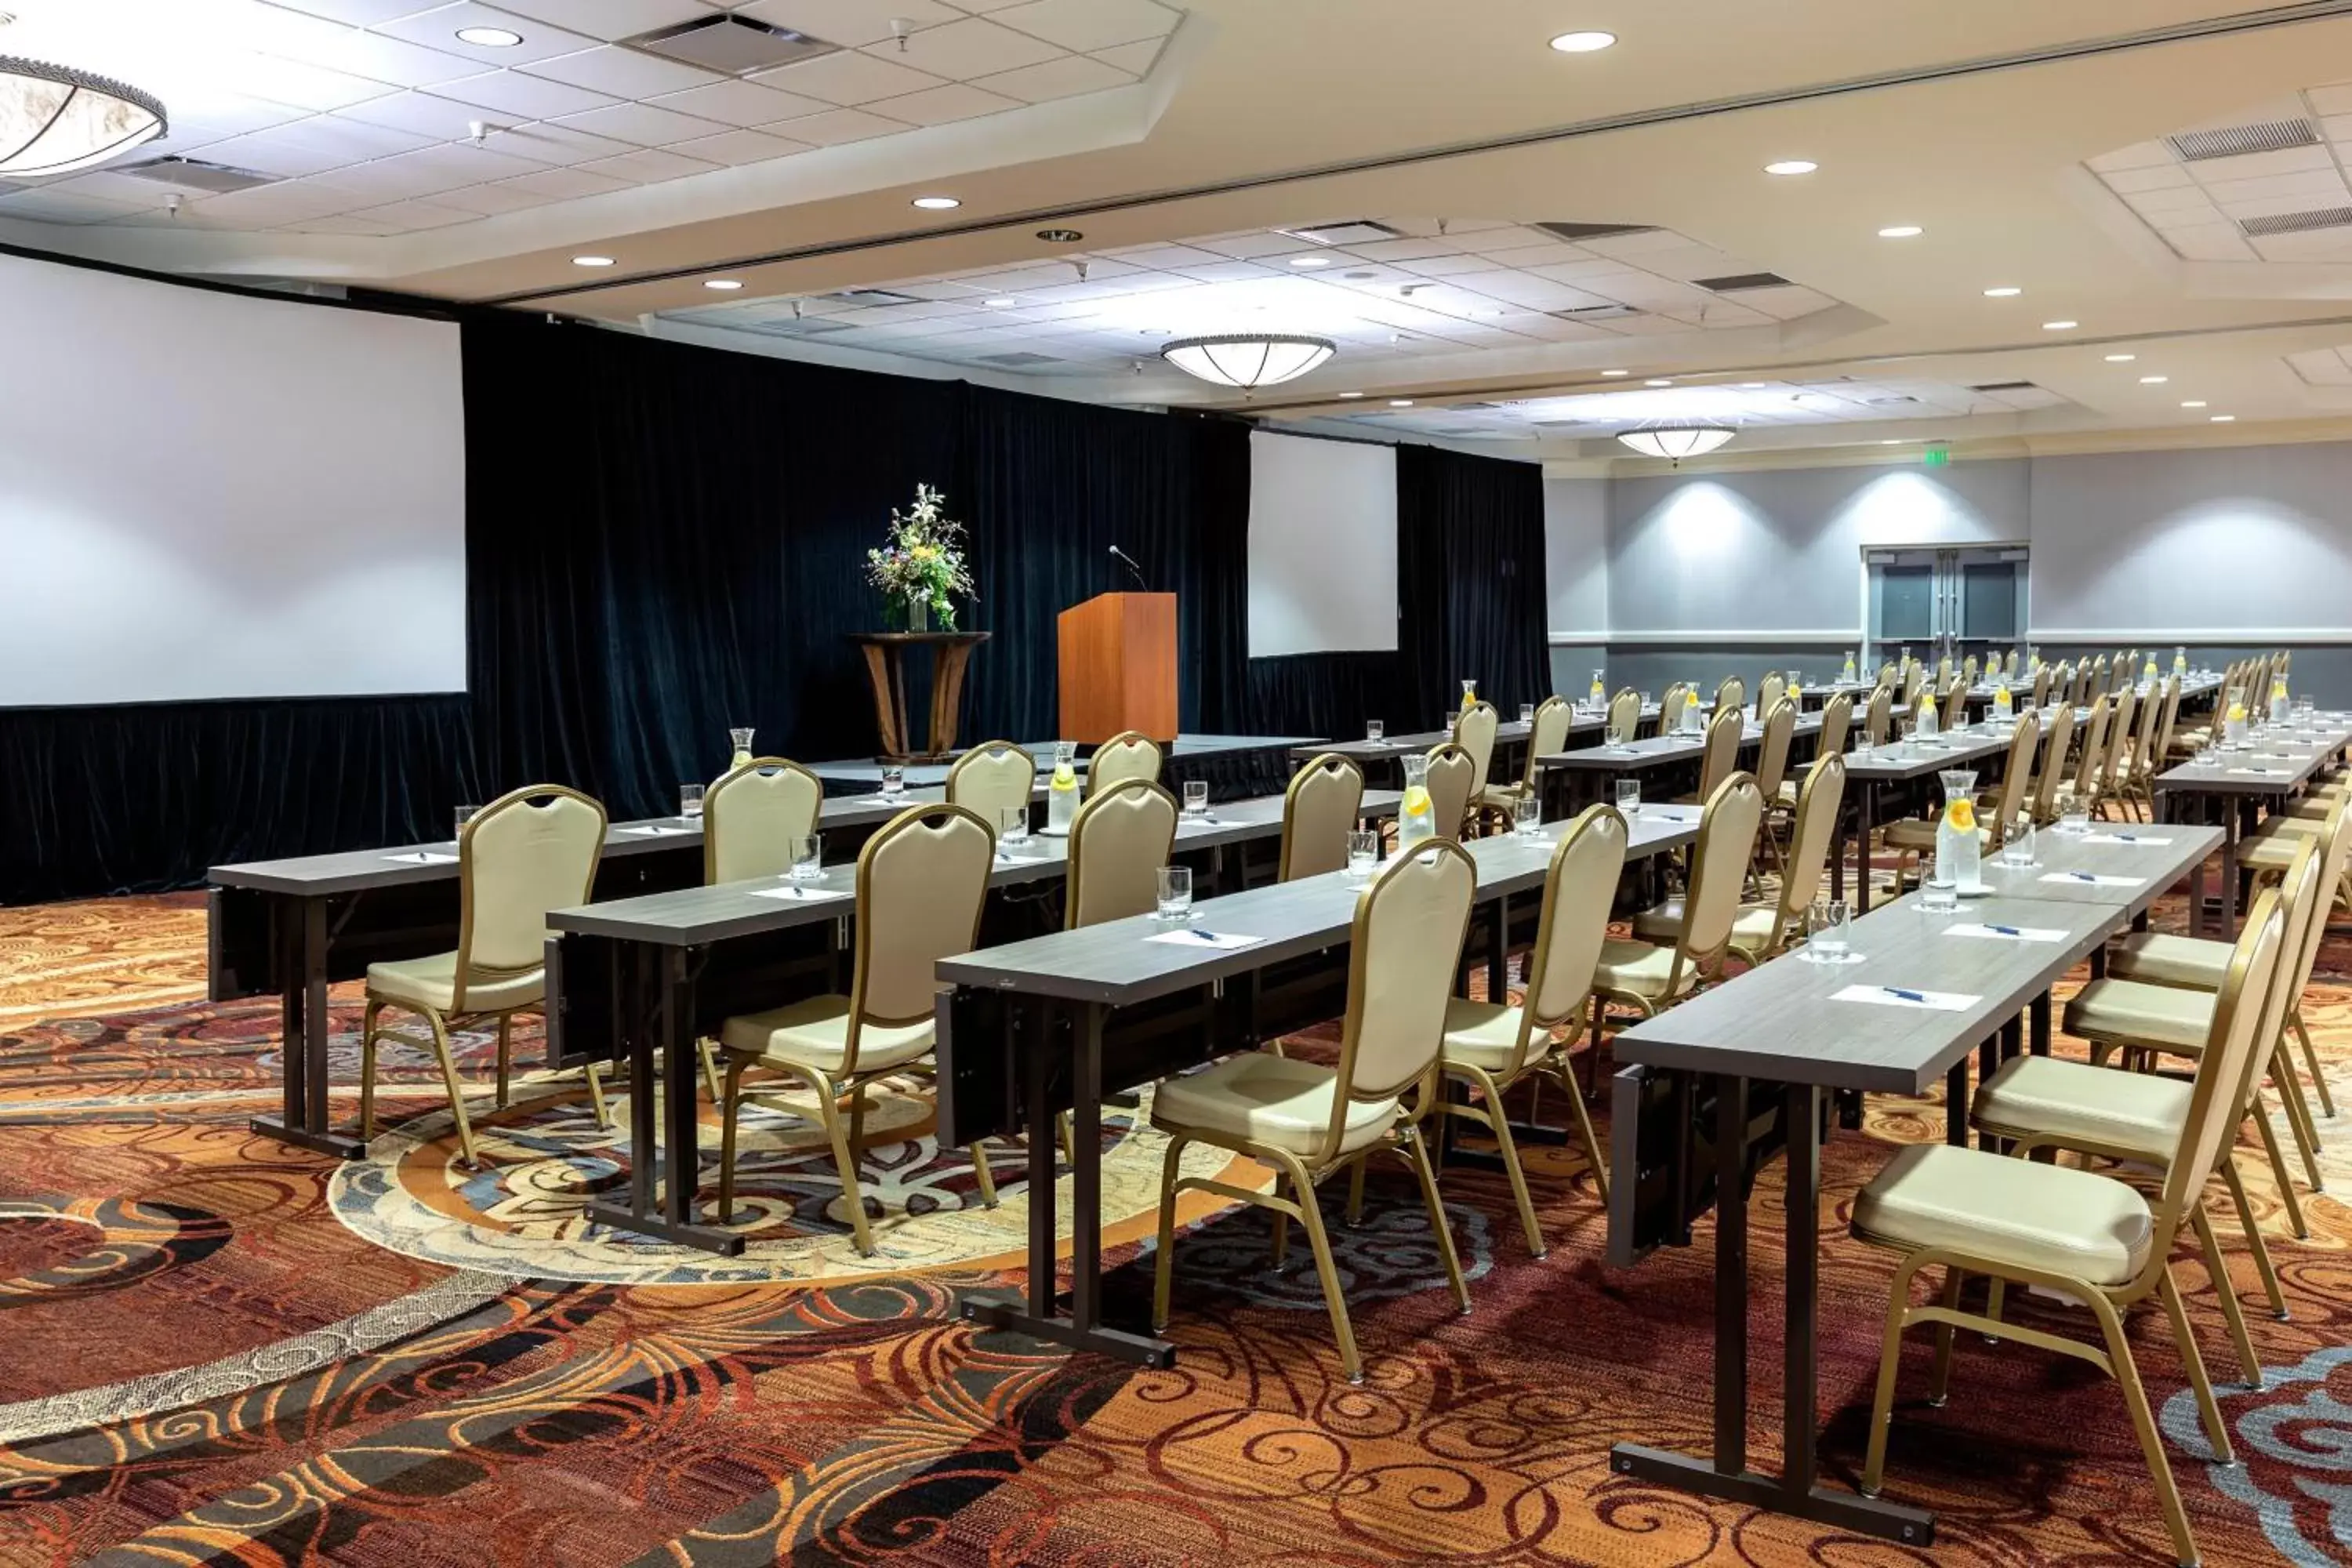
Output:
x,y
2233,717
1930,722
1598,694
741,741
2004,706
2180,660
1851,665
1956,832
1469,695
1063,796
1690,723
1416,814
2281,705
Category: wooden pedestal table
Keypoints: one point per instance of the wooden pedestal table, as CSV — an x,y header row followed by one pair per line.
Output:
x,y
885,663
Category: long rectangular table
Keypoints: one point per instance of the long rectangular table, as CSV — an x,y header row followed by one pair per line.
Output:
x,y
1706,1089
1181,756
1035,1028
2234,790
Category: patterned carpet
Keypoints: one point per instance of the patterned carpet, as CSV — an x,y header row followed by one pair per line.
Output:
x,y
222,1352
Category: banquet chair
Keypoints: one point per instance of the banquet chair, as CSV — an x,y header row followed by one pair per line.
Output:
x,y
1943,669
1649,978
1493,1045
993,779
1771,770
1719,757
1473,732
1548,736
751,819
1769,691
1914,683
921,881
2081,791
1837,719
1306,1120
1916,837
1731,693
1888,675
2088,1238
1624,716
1125,755
530,851
1670,707
1879,716
1452,770
1969,670
2133,781
1318,812
1765,929
2041,687
2126,707
1119,839
2051,771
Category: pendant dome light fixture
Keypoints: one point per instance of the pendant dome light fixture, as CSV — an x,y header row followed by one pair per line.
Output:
x,y
1677,442
55,119
1248,360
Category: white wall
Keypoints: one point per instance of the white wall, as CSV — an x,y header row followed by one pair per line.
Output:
x,y
1576,558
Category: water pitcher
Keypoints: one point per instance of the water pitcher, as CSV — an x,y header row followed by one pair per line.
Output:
x,y
1416,814
2233,718
741,740
1956,834
1598,695
1062,798
2281,705
1469,695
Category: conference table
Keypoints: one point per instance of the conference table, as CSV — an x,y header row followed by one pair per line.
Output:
x,y
2271,769
1184,757
667,958
1586,772
1035,1028
1708,1089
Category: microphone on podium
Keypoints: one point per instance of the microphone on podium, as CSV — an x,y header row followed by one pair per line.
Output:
x,y
1140,581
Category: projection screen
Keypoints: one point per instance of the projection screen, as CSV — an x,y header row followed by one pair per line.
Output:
x,y
1322,545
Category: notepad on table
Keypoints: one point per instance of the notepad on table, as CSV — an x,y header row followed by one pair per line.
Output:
x,y
1193,936
1907,997
422,858
799,895
2139,838
1989,931
656,830
2095,879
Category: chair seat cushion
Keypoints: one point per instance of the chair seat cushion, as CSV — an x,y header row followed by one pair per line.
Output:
x,y
2274,852
2140,1112
2134,1012
1485,1034
1913,834
1751,927
1278,1101
2047,1218
2289,827
433,982
1787,793
1638,969
815,1032
1503,795
2162,959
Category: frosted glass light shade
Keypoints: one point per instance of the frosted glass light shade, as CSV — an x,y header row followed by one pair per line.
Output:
x,y
54,119
1247,358
1676,441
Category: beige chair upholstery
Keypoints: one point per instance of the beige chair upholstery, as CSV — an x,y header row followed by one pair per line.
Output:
x,y
1647,978
1969,670
1956,704
2055,746
1837,719
1125,755
1546,736
921,882
1319,811
526,853
1492,1044
1879,716
1769,690
991,779
2081,791
1764,929
752,817
1725,734
1307,1120
1670,706
1998,807
1118,841
1450,772
2085,1238
2042,685
1773,755
1473,732
1731,693
1624,715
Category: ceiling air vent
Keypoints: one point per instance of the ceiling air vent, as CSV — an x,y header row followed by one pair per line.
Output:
x,y
1021,360
733,44
195,175
1575,231
1594,313
1738,280
2237,141
2005,386
1355,231
2296,222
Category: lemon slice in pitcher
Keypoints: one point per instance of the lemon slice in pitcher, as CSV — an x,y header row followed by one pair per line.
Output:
x,y
1962,816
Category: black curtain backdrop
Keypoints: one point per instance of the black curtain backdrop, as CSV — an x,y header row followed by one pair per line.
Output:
x,y
664,540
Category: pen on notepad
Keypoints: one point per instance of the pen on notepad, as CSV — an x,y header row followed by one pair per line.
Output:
x,y
1208,936
2005,931
2083,876
2128,838
1907,996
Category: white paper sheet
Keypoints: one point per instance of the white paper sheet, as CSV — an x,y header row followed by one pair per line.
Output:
x,y
1908,996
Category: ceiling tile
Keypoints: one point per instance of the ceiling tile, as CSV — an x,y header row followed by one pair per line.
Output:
x,y
2331,245
740,147
1068,76
641,124
847,77
107,187
381,59
2139,155
625,73
430,172
740,103
304,87
1090,24
437,28
2157,177
514,94
1135,59
358,13
2175,200
274,152
2319,189
962,50
491,200
940,105
58,206
2336,100
835,127
407,216
269,207
2209,242
1251,244
346,223
1448,266
562,185
647,166
849,22
417,114
547,143
610,19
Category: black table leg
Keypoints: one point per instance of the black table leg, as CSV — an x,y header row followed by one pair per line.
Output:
x,y
1956,1104
1865,822
1795,1490
2230,832
2037,1017
657,1020
304,1033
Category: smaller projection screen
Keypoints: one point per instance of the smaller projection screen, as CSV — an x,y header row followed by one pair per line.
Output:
x,y
1322,546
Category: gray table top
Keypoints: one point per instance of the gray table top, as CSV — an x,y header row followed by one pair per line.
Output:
x,y
1916,759
1659,751
2276,763
693,917
1186,748
1118,962
2157,857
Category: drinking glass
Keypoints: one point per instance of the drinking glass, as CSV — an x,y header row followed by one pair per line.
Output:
x,y
1827,925
1628,796
1374,729
465,815
1363,854
808,857
1012,825
2074,821
1527,815
1196,797
1451,719
690,801
894,781
2017,848
1936,900
1527,712
1175,894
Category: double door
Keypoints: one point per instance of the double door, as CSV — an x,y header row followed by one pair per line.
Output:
x,y
1945,602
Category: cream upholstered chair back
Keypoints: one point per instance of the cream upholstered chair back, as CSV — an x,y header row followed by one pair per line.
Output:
x,y
1943,669
2009,663
1837,717
1118,841
751,816
1451,772
1769,691
991,779
2150,711
1624,715
1725,734
1914,682
1125,755
1773,755
2327,872
2151,761
1956,704
921,881
1670,706
1878,716
2016,779
2094,747
1731,693
1318,812
2299,896
2120,709
1473,732
1969,670
1578,892
1410,923
527,852
1727,839
1819,799
2042,685
1889,676
2054,764
1548,736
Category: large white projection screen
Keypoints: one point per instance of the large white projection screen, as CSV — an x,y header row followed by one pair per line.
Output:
x,y
209,495
1322,545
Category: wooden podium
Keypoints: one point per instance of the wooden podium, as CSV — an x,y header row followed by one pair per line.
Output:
x,y
1118,667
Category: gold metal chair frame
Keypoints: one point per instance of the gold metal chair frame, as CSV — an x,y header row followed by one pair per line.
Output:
x,y
1328,763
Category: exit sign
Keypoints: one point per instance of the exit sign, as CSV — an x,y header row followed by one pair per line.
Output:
x,y
1936,457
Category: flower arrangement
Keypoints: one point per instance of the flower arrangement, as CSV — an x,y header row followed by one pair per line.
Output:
x,y
922,563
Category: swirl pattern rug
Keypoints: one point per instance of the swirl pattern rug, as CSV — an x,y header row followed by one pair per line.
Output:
x,y
222,1352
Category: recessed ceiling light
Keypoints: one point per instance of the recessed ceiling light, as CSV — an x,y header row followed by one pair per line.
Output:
x,y
1582,43
1892,441
724,285
2194,403
1791,166
1310,262
1902,231
1612,374
2060,326
1661,381
1352,394
1400,403
2154,380
936,203
1751,386
1060,235
2004,292
592,261
489,37
2121,359
999,305
2225,420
